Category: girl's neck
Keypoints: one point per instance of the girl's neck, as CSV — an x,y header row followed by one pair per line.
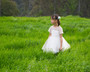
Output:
x,y
55,25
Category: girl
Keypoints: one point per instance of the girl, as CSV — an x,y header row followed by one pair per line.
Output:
x,y
55,41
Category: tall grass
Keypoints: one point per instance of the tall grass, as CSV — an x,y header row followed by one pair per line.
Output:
x,y
21,40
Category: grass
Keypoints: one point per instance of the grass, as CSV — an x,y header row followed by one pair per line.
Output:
x,y
21,40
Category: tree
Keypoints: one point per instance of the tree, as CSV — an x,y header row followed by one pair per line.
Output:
x,y
42,7
85,8
9,8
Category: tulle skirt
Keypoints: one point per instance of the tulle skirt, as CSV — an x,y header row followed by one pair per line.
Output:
x,y
52,44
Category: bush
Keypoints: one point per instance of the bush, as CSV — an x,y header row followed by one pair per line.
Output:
x,y
9,8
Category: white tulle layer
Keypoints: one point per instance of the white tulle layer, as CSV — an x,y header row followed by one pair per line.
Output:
x,y
52,44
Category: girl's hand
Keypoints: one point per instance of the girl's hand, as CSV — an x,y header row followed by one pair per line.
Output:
x,y
60,48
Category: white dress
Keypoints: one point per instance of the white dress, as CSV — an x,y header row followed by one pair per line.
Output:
x,y
52,44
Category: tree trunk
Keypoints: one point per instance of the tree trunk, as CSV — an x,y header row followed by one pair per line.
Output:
x,y
79,8
54,6
0,7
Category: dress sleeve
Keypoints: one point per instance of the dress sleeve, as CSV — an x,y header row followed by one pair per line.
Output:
x,y
49,30
60,30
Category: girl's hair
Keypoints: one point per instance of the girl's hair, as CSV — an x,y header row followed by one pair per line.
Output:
x,y
55,16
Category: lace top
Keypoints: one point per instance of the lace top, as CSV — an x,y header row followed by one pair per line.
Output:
x,y
59,29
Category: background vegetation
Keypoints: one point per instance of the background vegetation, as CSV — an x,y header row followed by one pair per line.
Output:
x,y
44,7
21,40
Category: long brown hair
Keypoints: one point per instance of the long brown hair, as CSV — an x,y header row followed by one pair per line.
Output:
x,y
55,16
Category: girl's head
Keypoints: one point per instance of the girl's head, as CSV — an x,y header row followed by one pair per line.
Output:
x,y
54,19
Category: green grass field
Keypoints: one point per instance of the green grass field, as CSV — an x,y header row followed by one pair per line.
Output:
x,y
21,40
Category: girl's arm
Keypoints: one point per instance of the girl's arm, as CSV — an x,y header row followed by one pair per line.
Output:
x,y
61,40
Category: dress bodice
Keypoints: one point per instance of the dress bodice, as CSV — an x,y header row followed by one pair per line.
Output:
x,y
55,31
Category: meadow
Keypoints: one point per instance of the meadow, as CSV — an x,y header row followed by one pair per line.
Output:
x,y
21,40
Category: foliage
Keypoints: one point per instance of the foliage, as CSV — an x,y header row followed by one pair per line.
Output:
x,y
9,8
